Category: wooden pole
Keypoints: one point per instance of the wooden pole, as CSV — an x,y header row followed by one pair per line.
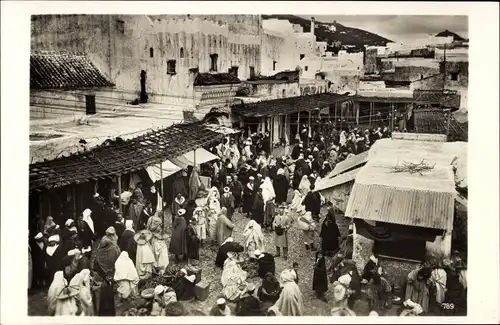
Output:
x,y
119,181
298,124
448,120
50,203
40,206
73,198
371,112
162,194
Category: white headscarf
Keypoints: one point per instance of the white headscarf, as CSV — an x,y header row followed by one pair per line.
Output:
x,y
51,249
129,224
125,268
86,217
267,190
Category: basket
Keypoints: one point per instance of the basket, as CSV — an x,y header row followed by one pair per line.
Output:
x,y
148,293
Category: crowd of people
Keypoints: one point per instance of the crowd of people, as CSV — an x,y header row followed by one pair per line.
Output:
x,y
274,193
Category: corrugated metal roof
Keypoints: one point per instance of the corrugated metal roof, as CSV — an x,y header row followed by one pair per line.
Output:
x,y
414,199
327,183
348,164
401,206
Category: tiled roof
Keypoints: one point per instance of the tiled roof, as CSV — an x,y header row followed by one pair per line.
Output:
x,y
64,70
115,158
283,106
434,121
208,79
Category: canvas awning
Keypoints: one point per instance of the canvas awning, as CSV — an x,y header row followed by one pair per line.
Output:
x,y
168,168
221,129
187,159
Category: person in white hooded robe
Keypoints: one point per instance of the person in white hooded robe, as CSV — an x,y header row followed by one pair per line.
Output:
x,y
82,282
268,195
254,239
145,258
61,297
126,276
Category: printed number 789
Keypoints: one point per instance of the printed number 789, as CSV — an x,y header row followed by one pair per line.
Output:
x,y
448,305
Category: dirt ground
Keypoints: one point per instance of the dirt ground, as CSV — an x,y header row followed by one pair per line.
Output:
x,y
297,253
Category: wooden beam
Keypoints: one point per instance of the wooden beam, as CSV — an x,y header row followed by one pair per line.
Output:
x,y
119,181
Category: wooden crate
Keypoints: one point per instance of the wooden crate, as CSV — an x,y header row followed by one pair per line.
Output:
x,y
202,290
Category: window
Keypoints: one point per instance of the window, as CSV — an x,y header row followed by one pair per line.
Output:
x,y
171,67
274,65
90,104
213,62
252,72
120,26
181,54
234,71
454,76
302,56
151,52
283,93
306,68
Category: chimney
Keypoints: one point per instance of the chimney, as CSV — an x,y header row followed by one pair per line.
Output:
x,y
313,35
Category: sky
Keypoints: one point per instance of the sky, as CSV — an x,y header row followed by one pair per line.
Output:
x,y
401,28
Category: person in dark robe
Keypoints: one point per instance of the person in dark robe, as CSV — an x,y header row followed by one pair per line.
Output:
x,y
190,206
184,286
320,278
280,186
135,211
248,304
98,214
85,233
297,176
77,263
329,234
243,174
107,253
106,300
37,245
193,242
151,195
325,169
127,242
296,151
178,241
258,208
370,268
270,289
228,246
119,226
179,187
146,213
248,196
110,216
55,256
273,169
178,204
227,201
312,203
66,232
237,191
266,263
295,267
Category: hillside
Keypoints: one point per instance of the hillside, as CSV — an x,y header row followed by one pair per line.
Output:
x,y
447,33
345,35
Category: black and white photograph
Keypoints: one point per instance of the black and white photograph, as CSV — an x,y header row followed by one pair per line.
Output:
x,y
248,165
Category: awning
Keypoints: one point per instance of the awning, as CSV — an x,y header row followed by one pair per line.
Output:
x,y
168,167
289,105
187,159
349,164
221,129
